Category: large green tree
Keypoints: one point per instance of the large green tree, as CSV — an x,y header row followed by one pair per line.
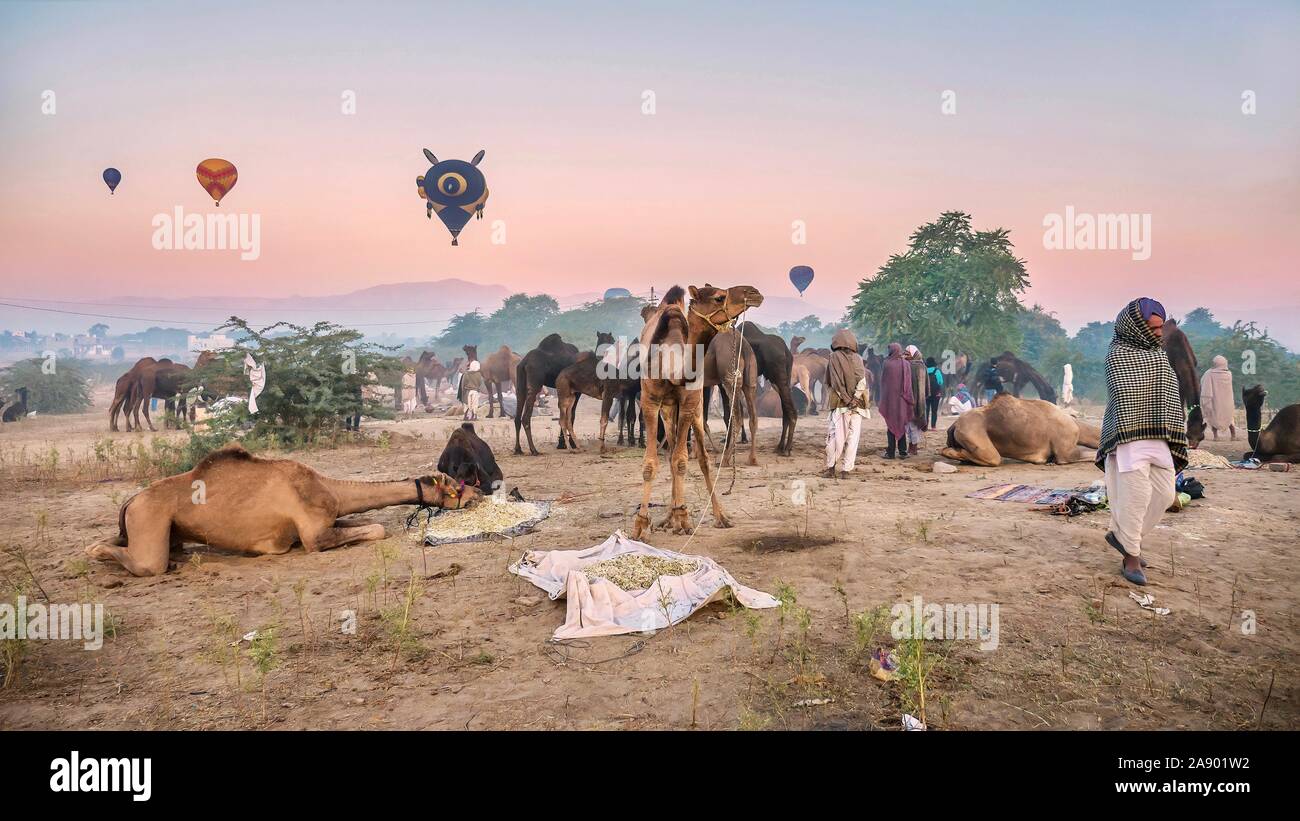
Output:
x,y
954,288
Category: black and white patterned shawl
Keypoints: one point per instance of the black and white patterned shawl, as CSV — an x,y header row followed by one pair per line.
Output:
x,y
1144,399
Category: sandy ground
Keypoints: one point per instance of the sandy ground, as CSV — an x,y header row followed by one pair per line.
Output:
x,y
1074,651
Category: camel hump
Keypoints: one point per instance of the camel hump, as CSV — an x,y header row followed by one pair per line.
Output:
x,y
676,296
230,453
551,342
668,318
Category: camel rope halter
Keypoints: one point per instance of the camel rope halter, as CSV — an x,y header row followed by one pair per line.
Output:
x,y
725,326
421,506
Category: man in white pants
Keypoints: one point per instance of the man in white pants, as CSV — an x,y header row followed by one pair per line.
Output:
x,y
1143,434
846,388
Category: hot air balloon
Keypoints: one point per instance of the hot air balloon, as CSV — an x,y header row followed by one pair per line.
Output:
x,y
217,177
801,276
111,178
617,293
455,189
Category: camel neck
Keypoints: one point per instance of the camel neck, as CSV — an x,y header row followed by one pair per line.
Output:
x,y
355,497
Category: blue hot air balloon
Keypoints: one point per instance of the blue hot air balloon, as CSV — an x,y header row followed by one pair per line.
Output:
x,y
112,177
456,189
615,293
801,276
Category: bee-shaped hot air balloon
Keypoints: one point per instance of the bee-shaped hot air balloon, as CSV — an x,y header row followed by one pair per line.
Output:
x,y
455,189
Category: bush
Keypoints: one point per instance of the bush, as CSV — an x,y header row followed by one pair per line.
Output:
x,y
66,390
314,378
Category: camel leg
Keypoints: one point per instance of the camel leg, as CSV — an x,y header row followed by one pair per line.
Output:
x,y
528,423
606,402
523,419
719,517
688,416
751,399
567,418
729,429
146,548
649,466
788,419
979,452
331,537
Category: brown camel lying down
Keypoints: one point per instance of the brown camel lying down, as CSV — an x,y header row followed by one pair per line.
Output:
x,y
1030,430
237,501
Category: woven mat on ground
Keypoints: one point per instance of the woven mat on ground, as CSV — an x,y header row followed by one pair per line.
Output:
x,y
1016,493
496,518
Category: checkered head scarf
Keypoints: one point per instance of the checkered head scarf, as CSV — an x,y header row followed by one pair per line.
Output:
x,y
1144,398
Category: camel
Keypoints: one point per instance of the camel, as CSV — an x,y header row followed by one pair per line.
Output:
x,y
234,500
730,365
18,409
583,378
535,371
769,402
809,370
775,363
1031,430
875,365
1280,441
122,392
429,369
498,370
673,341
161,380
1183,360
1018,373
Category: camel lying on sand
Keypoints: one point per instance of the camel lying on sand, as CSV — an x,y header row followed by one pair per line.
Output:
x,y
234,500
1031,430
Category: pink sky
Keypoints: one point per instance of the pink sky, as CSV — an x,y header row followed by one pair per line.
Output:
x,y
832,118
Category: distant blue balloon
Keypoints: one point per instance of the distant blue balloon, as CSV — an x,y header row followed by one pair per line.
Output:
x,y
112,177
801,276
615,293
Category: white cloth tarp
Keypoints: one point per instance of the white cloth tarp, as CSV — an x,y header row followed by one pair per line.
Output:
x,y
602,608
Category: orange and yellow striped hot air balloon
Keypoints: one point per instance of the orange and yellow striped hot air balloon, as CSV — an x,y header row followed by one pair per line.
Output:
x,y
217,176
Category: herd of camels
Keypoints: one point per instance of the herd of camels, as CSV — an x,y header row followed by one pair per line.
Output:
x,y
259,506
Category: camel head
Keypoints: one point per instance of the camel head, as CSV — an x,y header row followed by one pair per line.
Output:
x,y
447,493
471,351
1253,397
721,305
603,338
646,311
795,342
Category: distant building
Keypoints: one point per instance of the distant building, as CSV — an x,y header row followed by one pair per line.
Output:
x,y
88,347
209,342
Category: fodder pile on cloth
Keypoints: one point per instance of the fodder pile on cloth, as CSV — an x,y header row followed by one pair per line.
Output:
x,y
635,571
495,518
624,586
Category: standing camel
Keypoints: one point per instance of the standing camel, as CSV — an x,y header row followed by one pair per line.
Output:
x,y
1183,360
122,392
537,370
810,369
673,342
583,377
498,370
730,364
775,363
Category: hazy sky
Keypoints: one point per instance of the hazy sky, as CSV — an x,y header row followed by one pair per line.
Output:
x,y
766,113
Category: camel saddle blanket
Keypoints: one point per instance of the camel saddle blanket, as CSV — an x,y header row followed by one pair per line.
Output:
x,y
599,607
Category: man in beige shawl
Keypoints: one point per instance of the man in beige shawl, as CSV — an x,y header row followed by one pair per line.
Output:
x,y
1217,401
846,403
